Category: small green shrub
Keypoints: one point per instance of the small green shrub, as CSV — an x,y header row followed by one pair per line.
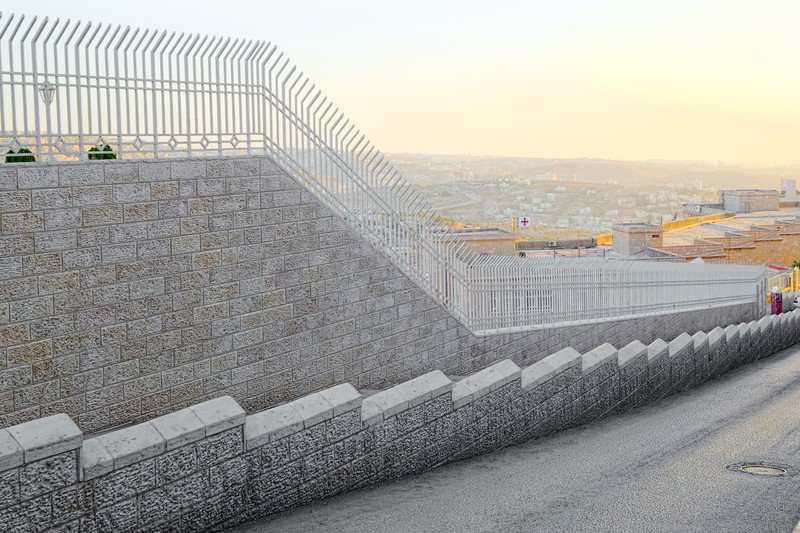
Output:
x,y
97,153
15,157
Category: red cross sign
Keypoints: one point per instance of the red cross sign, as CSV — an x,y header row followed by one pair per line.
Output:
x,y
523,222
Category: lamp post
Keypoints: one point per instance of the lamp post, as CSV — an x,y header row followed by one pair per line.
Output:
x,y
47,92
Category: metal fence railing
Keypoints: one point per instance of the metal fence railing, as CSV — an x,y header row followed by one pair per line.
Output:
x,y
71,89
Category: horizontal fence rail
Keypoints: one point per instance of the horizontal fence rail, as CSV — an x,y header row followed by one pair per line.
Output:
x,y
74,90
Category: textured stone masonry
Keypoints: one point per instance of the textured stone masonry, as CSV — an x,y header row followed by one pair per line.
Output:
x,y
209,466
132,289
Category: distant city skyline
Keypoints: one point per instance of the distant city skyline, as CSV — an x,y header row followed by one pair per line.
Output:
x,y
618,79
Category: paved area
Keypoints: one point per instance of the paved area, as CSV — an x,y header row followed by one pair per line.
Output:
x,y
658,468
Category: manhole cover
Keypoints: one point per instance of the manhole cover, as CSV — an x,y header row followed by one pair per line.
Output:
x,y
761,468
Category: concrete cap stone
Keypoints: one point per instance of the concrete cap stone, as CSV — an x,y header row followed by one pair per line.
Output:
x,y
179,428
271,425
593,359
96,460
382,405
313,409
766,322
482,383
680,344
744,330
425,387
133,444
715,335
45,437
700,338
219,414
343,398
657,349
564,359
11,453
731,332
536,374
631,353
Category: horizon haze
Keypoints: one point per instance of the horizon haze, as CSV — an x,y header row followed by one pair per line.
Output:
x,y
705,80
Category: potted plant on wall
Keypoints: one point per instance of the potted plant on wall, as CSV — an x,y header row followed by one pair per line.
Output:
x,y
23,155
105,153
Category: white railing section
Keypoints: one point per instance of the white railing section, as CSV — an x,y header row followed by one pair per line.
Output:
x,y
74,90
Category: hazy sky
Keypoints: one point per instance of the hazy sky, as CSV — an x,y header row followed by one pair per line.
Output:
x,y
699,79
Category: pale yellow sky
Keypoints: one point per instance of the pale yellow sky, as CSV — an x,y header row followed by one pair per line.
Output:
x,y
621,79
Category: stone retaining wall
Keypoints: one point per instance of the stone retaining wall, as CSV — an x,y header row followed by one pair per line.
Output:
x,y
129,290
209,466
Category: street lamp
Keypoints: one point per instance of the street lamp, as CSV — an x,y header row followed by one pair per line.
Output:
x,y
47,92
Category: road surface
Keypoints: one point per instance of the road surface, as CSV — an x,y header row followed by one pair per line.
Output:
x,y
658,468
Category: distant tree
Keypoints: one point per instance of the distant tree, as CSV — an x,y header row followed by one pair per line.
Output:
x,y
97,153
796,264
27,156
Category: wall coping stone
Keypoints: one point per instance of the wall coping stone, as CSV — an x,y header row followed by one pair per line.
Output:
x,y
133,444
593,359
680,344
96,460
482,383
766,322
271,425
631,353
45,437
313,409
11,453
343,398
731,332
381,405
541,371
426,387
715,335
179,428
700,338
219,414
657,349
536,374
389,402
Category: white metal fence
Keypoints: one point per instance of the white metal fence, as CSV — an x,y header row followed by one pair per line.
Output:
x,y
69,89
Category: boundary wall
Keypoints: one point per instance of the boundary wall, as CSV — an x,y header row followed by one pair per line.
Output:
x,y
209,466
131,289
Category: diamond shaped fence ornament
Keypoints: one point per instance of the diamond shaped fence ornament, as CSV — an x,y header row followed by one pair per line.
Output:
x,y
61,144
172,142
15,145
138,143
234,141
204,142
101,143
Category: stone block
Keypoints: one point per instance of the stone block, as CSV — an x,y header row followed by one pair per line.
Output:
x,y
95,460
219,414
599,356
271,425
220,447
631,353
133,444
381,405
48,475
45,437
11,453
313,409
482,383
124,483
179,428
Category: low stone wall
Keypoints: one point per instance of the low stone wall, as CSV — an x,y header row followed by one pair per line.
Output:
x,y
209,466
131,289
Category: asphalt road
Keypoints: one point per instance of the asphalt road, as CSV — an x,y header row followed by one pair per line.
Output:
x,y
658,468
